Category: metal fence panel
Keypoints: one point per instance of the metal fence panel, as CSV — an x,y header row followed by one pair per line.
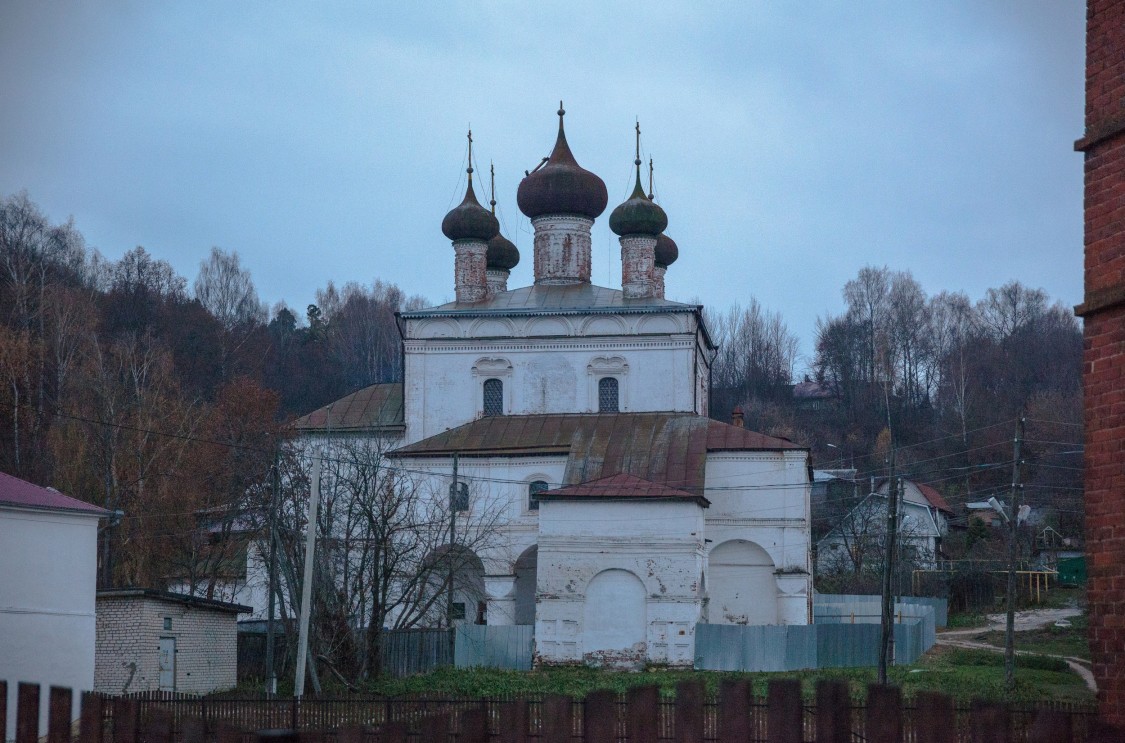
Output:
x,y
409,651
801,647
940,606
494,646
847,645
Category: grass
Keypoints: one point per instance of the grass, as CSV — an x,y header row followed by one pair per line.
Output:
x,y
962,674
966,621
1050,640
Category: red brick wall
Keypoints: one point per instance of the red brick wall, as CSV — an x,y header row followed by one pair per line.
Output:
x,y
1104,355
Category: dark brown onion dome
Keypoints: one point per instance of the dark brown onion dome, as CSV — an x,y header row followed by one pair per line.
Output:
x,y
638,215
562,186
502,253
666,251
469,220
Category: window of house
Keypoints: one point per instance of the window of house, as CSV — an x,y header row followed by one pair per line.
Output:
x,y
459,498
607,395
493,397
533,491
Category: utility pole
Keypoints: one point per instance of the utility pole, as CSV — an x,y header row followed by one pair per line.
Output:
x,y
1013,521
271,672
887,626
306,583
454,492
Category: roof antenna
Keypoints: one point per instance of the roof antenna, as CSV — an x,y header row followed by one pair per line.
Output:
x,y
650,179
492,173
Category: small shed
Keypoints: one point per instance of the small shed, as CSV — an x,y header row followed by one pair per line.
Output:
x,y
1072,571
150,640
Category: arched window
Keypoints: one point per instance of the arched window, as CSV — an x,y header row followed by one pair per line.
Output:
x,y
607,395
493,397
533,491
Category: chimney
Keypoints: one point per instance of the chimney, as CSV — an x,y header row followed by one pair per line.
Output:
x,y
736,418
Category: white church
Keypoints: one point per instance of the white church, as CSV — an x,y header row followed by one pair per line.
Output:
x,y
627,516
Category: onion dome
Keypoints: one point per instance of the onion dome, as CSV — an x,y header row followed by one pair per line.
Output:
x,y
666,251
638,215
561,185
502,253
469,220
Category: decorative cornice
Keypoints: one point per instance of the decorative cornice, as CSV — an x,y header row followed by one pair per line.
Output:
x,y
1100,132
579,344
1099,300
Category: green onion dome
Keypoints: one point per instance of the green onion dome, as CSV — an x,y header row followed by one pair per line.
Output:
x,y
638,215
502,253
562,186
469,220
666,251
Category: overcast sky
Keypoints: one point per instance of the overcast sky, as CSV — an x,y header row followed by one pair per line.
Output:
x,y
794,142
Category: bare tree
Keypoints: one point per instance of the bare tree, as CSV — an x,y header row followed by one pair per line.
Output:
x,y
226,290
385,556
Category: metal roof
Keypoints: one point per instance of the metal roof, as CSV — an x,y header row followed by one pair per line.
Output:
x,y
666,448
177,598
557,299
23,494
622,487
374,408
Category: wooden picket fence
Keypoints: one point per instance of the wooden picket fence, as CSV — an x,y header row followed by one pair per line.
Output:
x,y
640,716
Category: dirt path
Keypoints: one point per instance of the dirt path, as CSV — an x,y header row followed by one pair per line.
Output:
x,y
1025,620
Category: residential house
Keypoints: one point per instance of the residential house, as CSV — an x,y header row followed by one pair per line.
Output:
x,y
48,550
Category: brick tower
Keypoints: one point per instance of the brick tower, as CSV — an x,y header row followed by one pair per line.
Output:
x,y
1103,311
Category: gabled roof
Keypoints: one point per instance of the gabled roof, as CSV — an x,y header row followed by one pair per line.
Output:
x,y
374,408
934,497
622,487
23,494
666,448
929,495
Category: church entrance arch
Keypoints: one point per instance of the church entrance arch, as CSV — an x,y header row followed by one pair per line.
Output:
x,y
742,588
469,597
615,621
525,570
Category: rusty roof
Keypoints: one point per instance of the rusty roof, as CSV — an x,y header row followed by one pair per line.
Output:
x,y
934,497
665,448
625,487
374,408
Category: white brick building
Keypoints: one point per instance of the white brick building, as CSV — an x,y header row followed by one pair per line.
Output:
x,y
151,640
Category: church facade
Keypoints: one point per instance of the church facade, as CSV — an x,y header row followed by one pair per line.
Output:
x,y
578,414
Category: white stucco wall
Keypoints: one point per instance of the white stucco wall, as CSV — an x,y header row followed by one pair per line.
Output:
x,y
47,586
763,498
549,365
658,543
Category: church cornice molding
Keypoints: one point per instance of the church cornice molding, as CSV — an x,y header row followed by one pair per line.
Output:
x,y
757,522
578,344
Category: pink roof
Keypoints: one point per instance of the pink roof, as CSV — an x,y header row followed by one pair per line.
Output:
x,y
934,497
23,494
622,485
